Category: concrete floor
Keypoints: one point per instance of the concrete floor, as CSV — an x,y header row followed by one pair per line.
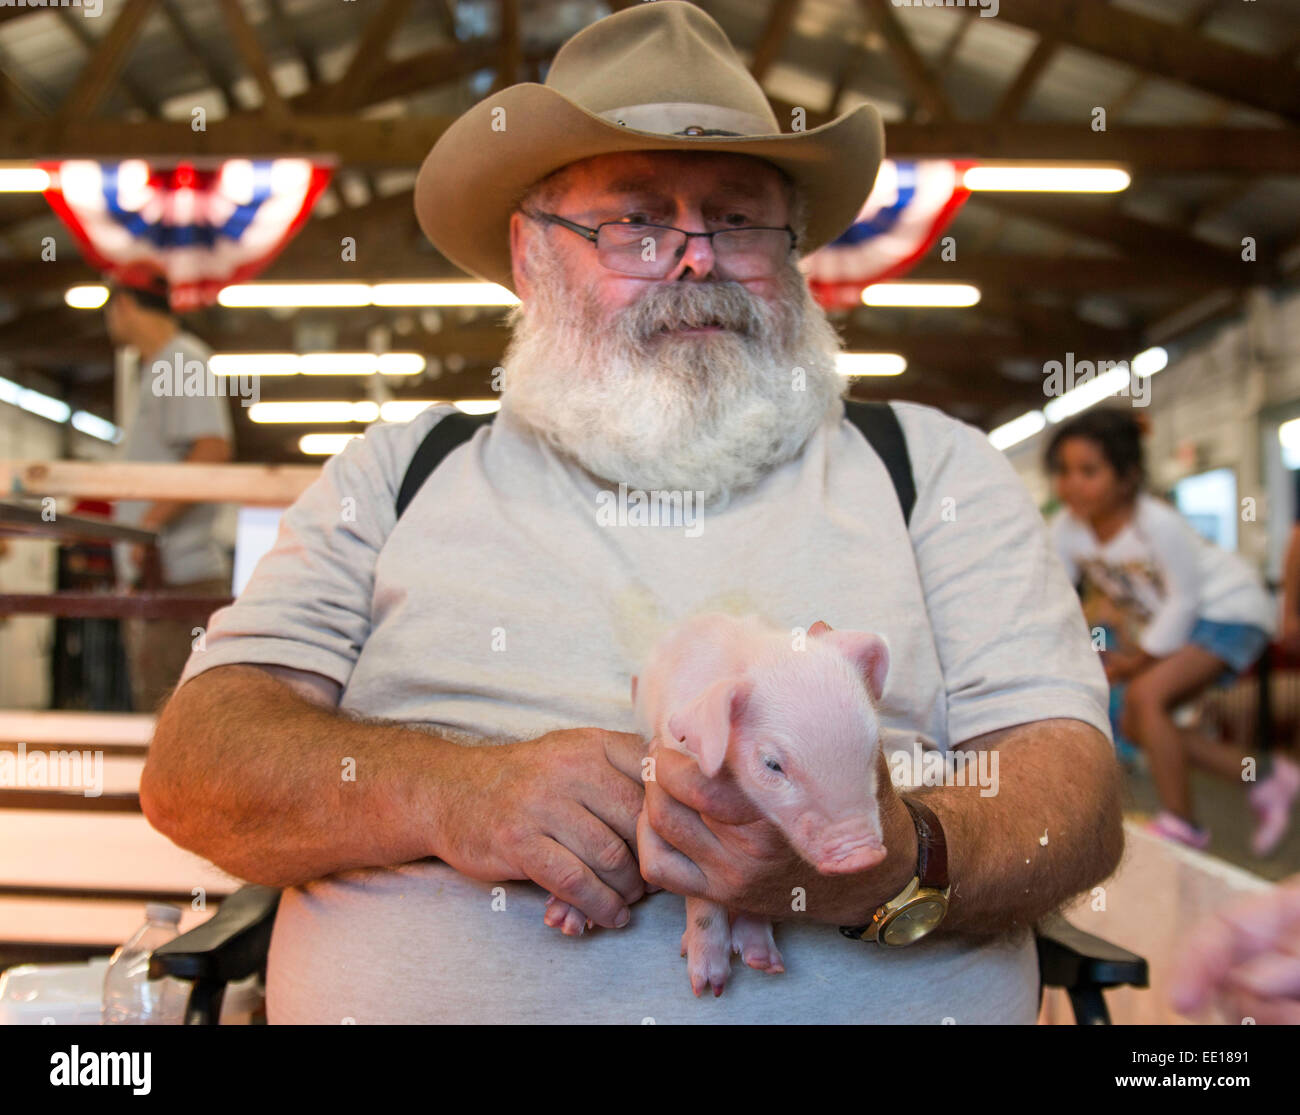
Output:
x,y
1223,809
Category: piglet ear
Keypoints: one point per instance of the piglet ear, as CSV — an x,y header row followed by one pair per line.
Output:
x,y
705,724
869,654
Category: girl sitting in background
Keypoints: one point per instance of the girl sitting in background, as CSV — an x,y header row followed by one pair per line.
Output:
x,y
1192,613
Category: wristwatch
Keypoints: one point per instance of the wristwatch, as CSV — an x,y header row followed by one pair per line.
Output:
x,y
923,903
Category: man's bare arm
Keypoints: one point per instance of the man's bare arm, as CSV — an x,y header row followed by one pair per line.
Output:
x,y
229,777
1053,829
255,769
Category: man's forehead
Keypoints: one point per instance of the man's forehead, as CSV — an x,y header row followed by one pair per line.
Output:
x,y
667,171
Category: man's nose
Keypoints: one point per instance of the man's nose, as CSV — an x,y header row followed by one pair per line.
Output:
x,y
697,259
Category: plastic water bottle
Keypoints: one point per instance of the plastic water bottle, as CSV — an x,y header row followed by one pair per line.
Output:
x,y
130,998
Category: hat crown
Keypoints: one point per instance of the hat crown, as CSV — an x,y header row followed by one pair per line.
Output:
x,y
666,52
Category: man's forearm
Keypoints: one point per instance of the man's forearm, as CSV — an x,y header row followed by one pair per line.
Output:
x,y
277,790
1052,830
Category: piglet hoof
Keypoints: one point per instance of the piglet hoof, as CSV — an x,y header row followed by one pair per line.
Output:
x,y
706,946
752,939
569,921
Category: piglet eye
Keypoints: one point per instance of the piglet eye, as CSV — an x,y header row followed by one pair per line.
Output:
x,y
772,764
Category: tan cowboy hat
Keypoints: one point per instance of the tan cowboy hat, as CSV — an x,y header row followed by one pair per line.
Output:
x,y
653,77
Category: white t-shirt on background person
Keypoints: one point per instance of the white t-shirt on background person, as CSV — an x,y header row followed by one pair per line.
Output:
x,y
163,429
1160,569
501,607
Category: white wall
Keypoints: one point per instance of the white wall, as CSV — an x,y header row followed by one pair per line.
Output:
x,y
1218,404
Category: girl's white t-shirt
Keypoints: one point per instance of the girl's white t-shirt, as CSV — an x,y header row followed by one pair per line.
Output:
x,y
1159,567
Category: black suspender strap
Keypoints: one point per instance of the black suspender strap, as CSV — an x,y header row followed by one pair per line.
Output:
x,y
451,431
879,425
877,421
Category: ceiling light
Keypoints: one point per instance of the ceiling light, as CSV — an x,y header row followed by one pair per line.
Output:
x,y
1017,430
1150,361
920,294
323,445
23,180
442,294
1048,179
253,363
89,297
870,364
242,295
95,426
1086,394
326,411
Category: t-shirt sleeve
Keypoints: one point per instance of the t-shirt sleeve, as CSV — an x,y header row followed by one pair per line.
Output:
x,y
1007,625
186,418
307,605
1174,550
1058,530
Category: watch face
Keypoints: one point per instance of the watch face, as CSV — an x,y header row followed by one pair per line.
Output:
x,y
914,921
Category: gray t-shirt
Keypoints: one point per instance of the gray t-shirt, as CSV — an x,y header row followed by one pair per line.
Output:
x,y
504,604
164,427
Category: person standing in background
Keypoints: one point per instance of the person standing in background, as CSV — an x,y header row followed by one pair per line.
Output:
x,y
167,425
1192,613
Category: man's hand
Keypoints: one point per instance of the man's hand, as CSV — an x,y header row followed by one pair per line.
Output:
x,y
703,838
560,810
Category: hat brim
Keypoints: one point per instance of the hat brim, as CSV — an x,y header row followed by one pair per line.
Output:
x,y
472,179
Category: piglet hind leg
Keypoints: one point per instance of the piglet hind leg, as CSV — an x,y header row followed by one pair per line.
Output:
x,y
706,944
752,938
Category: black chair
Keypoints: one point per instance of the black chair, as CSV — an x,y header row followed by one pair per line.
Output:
x,y
232,945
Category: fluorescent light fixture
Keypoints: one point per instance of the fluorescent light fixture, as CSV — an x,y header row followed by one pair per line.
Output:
x,y
920,294
293,295
400,364
323,445
1149,361
328,411
95,426
23,180
1017,430
242,295
337,364
870,364
253,363
89,297
1288,436
403,410
33,401
1048,179
1086,394
315,363
442,294
478,406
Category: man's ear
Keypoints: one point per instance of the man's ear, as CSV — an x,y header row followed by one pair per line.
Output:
x,y
704,726
519,255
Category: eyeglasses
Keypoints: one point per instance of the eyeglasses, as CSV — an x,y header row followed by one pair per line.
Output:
x,y
652,251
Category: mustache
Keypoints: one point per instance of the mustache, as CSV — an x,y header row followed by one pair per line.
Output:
x,y
668,307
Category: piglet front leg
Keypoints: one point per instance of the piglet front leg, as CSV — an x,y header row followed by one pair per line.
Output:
x,y
706,944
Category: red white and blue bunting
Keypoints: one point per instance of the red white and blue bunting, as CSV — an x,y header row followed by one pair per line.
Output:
x,y
910,205
203,226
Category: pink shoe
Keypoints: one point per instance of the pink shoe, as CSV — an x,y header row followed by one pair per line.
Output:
x,y
1172,827
1272,800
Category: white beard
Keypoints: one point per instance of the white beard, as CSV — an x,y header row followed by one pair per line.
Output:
x,y
665,411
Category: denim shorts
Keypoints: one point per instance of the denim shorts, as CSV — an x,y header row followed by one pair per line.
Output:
x,y
1237,644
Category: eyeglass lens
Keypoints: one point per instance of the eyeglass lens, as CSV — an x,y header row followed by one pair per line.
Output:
x,y
650,251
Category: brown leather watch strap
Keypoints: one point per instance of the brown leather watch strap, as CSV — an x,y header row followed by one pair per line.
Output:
x,y
932,846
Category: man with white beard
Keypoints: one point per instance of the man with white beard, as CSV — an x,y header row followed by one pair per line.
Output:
x,y
417,721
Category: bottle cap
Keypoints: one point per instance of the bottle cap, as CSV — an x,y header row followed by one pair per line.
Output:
x,y
162,911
